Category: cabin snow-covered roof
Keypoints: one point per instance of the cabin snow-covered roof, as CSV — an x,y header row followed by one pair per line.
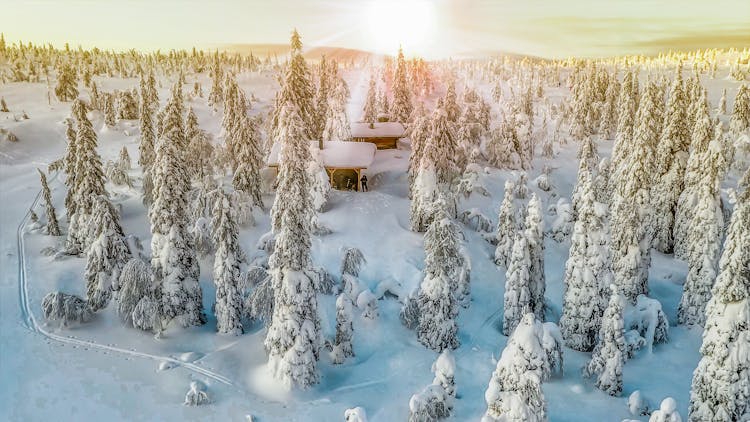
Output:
x,y
379,130
336,154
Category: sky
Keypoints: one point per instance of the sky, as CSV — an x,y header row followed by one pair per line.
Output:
x,y
430,28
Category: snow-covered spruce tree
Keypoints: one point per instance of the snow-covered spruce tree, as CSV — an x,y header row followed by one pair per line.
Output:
x,y
293,339
69,165
419,133
601,181
148,133
506,227
370,111
336,121
109,109
671,159
514,393
67,84
173,260
609,354
297,89
53,228
701,137
720,382
740,120
721,108
534,234
322,95
704,239
608,123
437,170
89,180
437,328
587,271
517,298
250,159
215,97
342,345
401,107
227,268
632,211
107,254
626,112
127,105
123,161
320,183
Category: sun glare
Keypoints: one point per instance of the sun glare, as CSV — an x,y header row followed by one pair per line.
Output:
x,y
406,23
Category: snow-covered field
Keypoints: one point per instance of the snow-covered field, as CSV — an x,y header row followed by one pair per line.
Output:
x,y
106,371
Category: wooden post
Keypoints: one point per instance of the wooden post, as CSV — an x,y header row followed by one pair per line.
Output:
x,y
359,187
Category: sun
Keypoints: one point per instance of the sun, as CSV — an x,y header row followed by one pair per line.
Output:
x,y
407,23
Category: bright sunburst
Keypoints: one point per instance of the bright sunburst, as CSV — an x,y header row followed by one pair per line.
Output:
x,y
408,23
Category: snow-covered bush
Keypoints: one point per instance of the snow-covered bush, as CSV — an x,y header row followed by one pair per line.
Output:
x,y
637,404
648,318
147,314
201,232
356,414
562,227
66,309
429,405
368,303
474,219
134,284
667,412
470,181
409,314
444,369
117,175
197,395
342,346
259,304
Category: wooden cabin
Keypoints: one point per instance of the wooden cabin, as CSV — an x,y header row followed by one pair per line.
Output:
x,y
343,161
384,135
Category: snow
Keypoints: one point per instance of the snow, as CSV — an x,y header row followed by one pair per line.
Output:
x,y
336,154
106,371
379,130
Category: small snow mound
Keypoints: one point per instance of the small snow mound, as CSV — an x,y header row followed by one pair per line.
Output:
x,y
190,356
166,365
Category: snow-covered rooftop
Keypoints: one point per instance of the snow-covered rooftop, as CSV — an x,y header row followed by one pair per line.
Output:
x,y
336,154
379,130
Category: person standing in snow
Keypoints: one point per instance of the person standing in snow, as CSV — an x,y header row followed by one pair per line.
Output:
x,y
363,181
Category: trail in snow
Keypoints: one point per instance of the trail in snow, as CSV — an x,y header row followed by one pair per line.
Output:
x,y
33,325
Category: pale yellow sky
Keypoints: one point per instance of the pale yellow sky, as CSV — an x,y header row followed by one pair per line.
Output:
x,y
434,28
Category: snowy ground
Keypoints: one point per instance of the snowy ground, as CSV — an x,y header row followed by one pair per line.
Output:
x,y
106,371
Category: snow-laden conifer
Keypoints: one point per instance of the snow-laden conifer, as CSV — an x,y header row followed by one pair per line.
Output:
x,y
517,299
704,239
534,234
438,309
515,392
342,346
293,339
720,382
587,271
174,261
53,228
609,354
227,267
506,227
106,255
89,180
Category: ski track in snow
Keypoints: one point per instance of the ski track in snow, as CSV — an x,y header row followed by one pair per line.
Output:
x,y
33,325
